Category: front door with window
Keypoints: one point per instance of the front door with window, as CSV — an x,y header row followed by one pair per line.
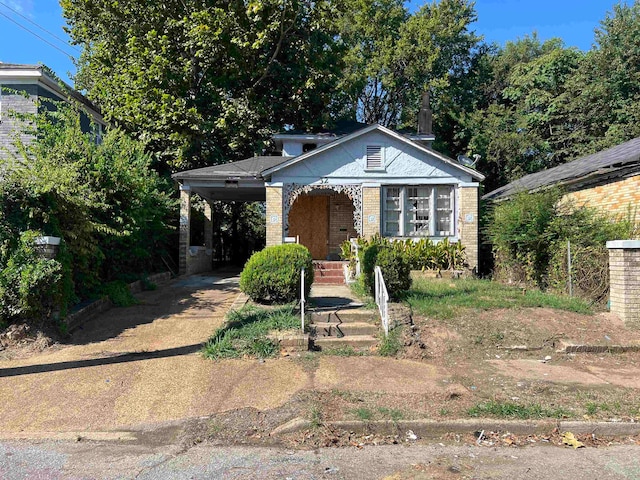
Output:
x,y
309,220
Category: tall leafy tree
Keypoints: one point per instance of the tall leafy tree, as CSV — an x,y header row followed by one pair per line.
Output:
x,y
204,81
605,108
523,127
394,56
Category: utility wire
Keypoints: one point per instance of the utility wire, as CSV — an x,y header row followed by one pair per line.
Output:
x,y
36,35
41,28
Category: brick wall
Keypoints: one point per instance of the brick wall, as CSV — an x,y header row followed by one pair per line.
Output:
x,y
274,216
468,224
615,197
624,278
340,221
370,211
15,102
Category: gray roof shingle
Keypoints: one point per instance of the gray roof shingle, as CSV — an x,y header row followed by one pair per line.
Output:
x,y
248,168
622,156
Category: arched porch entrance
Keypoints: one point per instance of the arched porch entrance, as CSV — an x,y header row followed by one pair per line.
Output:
x,y
322,219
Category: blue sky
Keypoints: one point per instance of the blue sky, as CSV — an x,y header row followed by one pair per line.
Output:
x,y
498,20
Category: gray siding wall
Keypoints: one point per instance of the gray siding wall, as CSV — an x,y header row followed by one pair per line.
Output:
x,y
15,102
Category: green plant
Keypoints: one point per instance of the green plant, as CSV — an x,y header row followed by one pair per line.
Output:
x,y
395,271
530,233
391,344
273,274
315,416
363,414
420,254
30,285
394,414
514,410
119,293
246,330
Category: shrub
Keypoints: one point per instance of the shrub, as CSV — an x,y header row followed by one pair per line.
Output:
x,y
420,254
30,285
529,235
368,258
395,270
273,274
119,293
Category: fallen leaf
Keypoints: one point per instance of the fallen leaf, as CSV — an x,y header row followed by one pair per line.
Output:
x,y
569,438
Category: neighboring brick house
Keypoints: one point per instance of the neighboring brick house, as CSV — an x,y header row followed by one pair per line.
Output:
x,y
331,186
608,180
26,89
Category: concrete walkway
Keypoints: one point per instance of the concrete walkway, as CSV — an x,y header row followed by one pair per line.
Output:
x,y
141,365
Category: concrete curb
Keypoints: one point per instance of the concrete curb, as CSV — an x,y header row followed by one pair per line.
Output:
x,y
432,428
115,436
566,346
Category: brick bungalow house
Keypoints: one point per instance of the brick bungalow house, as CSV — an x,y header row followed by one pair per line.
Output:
x,y
607,180
27,89
327,187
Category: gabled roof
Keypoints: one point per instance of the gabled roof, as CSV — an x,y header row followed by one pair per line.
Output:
x,y
293,160
249,168
616,159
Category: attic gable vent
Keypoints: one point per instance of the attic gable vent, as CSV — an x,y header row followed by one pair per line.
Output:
x,y
374,157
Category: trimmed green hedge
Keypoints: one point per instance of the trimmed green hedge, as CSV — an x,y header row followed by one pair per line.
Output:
x,y
273,274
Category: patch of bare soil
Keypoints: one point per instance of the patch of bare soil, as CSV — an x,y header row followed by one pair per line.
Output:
x,y
511,333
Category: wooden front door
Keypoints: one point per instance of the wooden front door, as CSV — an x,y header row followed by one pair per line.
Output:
x,y
309,219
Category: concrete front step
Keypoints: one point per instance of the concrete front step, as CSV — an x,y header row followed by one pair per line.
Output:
x,y
358,341
340,330
345,316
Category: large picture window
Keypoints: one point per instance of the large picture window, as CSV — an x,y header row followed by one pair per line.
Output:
x,y
418,211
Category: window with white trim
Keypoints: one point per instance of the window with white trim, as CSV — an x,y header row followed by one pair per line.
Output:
x,y
418,211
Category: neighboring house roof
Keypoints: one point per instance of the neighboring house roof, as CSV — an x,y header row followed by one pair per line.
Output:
x,y
613,162
293,160
16,71
249,168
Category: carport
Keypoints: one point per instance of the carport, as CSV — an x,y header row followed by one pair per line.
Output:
x,y
240,181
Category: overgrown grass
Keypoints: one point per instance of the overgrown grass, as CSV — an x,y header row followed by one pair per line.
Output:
x,y
444,299
513,410
391,344
245,332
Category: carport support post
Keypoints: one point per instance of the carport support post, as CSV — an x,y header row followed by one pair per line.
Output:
x,y
208,226
185,227
624,280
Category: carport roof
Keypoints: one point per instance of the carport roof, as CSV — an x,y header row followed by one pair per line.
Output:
x,y
248,168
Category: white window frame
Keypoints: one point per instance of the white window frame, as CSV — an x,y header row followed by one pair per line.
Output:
x,y
404,222
366,158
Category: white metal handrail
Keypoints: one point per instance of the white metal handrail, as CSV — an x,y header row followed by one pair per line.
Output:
x,y
382,299
302,299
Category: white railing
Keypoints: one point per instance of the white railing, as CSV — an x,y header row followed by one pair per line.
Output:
x,y
302,299
382,299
